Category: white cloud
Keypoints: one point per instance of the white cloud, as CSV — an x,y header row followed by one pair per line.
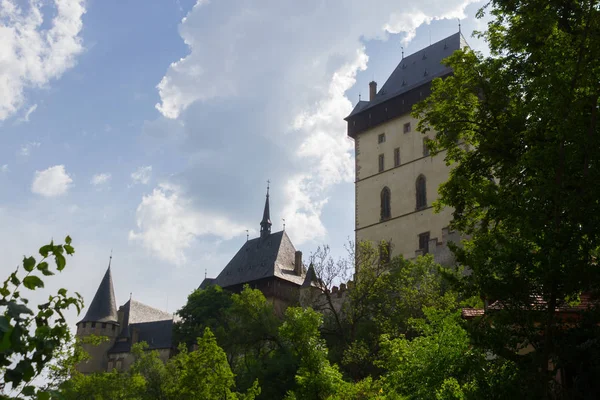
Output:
x,y
100,179
51,182
4,168
30,55
167,224
142,175
25,118
297,60
25,150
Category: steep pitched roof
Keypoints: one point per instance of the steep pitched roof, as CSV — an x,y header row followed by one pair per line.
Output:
x,y
311,278
415,70
271,256
103,307
152,325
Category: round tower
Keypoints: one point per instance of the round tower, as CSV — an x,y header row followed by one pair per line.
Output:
x,y
101,319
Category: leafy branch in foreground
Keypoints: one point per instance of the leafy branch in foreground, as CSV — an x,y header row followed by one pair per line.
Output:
x,y
30,339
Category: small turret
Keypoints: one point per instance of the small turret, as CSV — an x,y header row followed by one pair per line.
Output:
x,y
101,319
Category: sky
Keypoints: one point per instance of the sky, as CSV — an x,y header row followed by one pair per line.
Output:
x,y
150,128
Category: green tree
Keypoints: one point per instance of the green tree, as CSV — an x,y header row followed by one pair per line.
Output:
x,y
316,378
204,308
205,374
521,130
29,340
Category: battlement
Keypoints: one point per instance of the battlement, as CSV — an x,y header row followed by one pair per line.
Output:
x,y
440,250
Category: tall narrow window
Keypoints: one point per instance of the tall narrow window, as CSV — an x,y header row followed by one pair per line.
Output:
x,y
381,138
421,192
381,165
386,197
425,147
407,127
397,157
424,242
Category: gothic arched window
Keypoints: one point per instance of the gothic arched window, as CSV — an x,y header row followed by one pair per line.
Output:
x,y
386,210
421,192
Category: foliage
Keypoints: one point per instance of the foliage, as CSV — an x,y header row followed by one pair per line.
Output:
x,y
521,129
200,374
315,378
29,339
204,308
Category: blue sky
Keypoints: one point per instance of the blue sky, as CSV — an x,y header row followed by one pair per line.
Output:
x,y
150,128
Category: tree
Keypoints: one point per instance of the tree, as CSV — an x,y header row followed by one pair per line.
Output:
x,y
316,378
30,340
520,129
205,373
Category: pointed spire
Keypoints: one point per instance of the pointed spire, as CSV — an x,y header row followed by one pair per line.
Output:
x,y
265,224
103,307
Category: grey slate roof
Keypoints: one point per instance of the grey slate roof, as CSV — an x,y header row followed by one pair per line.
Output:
x,y
154,327
415,70
311,278
272,256
103,307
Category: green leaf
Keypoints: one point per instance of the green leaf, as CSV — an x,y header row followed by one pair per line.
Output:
x,y
14,280
69,249
32,281
44,250
28,263
28,390
43,266
43,396
4,324
62,292
68,240
60,261
15,310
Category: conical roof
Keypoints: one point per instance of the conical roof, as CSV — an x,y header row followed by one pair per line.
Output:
x,y
103,307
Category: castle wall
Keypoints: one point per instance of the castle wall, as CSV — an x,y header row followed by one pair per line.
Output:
x,y
98,353
406,222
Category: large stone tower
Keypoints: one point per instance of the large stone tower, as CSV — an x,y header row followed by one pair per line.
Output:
x,y
396,178
101,319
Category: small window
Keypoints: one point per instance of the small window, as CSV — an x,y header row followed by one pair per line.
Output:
x,y
110,365
397,157
84,324
421,189
119,365
381,163
114,327
386,210
425,147
381,138
103,325
407,127
424,242
93,324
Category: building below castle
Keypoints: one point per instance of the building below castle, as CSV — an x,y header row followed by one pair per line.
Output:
x,y
269,263
133,322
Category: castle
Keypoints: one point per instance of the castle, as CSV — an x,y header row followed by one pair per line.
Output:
x,y
396,182
396,178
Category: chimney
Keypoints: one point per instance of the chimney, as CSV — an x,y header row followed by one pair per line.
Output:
x,y
372,90
298,263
